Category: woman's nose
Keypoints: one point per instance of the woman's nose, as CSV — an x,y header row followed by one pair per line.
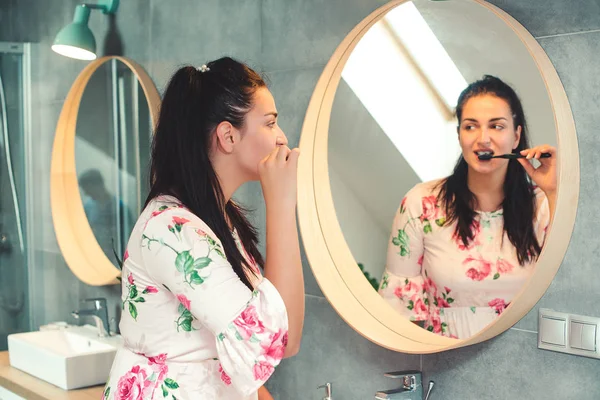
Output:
x,y
485,136
282,139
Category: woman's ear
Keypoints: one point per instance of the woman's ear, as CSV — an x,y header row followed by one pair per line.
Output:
x,y
225,136
517,137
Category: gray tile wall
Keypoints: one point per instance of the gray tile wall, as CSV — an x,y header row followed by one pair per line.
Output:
x,y
291,41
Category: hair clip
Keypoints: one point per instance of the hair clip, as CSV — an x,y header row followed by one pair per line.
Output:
x,y
203,68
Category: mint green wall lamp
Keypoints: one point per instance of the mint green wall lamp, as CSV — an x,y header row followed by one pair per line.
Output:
x,y
76,40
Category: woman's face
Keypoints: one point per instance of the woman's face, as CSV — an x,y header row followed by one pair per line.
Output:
x,y
260,134
487,125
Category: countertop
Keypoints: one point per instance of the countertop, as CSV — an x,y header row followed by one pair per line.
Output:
x,y
32,388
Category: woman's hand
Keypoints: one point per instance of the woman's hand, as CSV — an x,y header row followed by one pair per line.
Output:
x,y
278,176
544,176
263,394
283,266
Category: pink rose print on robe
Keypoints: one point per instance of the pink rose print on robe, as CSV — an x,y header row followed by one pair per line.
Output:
x,y
476,229
436,323
419,307
249,323
430,286
461,246
442,302
224,377
200,232
157,363
180,221
155,213
159,359
185,301
161,210
126,255
430,209
403,205
130,278
478,268
420,260
503,266
150,289
498,304
398,292
133,385
274,347
262,371
407,289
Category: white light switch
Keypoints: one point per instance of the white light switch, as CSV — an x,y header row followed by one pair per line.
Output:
x,y
569,333
552,331
588,337
582,336
575,334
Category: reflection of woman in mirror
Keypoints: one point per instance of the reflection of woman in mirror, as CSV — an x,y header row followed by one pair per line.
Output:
x,y
200,320
462,247
103,210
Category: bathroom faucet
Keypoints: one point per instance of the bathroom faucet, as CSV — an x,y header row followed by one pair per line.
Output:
x,y
327,388
99,313
412,387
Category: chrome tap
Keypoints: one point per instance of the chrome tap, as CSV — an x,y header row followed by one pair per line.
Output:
x,y
99,313
327,388
411,389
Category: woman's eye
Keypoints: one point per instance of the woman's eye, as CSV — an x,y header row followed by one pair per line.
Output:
x,y
469,127
498,127
271,124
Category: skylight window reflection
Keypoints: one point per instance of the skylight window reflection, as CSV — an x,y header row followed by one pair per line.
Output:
x,y
409,84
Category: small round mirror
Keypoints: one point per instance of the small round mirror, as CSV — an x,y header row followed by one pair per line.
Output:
x,y
99,167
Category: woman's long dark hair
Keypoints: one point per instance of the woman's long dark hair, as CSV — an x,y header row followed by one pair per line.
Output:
x,y
519,204
194,103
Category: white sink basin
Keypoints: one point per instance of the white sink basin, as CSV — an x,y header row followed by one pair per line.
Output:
x,y
70,358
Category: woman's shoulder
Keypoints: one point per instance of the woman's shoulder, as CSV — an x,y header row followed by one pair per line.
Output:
x,y
423,194
166,205
424,189
170,211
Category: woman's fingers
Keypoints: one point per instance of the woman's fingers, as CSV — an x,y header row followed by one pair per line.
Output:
x,y
536,152
282,153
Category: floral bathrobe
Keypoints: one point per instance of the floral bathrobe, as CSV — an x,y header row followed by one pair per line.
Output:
x,y
191,328
432,276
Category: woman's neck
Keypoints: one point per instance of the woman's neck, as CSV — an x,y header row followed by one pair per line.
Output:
x,y
230,179
487,188
229,175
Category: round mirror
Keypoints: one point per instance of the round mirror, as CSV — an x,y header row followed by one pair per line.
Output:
x,y
99,165
388,250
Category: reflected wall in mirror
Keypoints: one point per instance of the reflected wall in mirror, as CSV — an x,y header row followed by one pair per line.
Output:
x,y
99,165
112,149
450,266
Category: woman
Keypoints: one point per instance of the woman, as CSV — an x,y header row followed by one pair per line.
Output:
x,y
462,247
200,321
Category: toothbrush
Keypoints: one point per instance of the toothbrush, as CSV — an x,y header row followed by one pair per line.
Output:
x,y
510,156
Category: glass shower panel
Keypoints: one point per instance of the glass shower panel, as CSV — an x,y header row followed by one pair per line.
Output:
x,y
14,316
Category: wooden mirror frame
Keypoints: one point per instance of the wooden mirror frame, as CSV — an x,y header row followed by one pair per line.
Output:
x,y
330,258
75,237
